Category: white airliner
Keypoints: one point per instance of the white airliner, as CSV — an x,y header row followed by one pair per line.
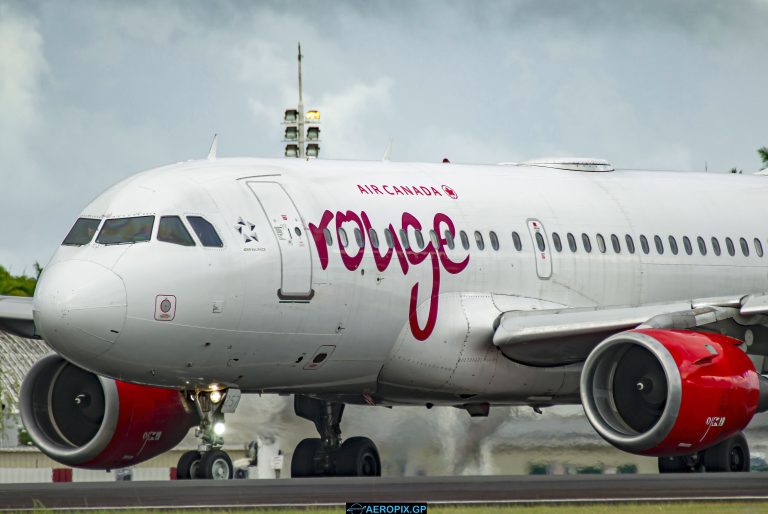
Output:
x,y
641,295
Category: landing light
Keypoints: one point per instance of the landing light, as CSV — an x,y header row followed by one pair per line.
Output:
x,y
215,396
219,428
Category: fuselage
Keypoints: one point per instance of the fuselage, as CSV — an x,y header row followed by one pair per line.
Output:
x,y
383,280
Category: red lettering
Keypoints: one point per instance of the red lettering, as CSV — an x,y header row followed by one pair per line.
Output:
x,y
397,190
387,190
351,262
362,189
319,237
376,189
407,190
435,191
417,191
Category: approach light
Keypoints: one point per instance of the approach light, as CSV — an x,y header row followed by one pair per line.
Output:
x,y
313,133
313,150
291,150
313,115
219,428
216,396
291,116
291,133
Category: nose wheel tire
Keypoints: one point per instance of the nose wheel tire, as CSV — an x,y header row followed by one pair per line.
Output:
x,y
186,469
358,457
729,455
215,465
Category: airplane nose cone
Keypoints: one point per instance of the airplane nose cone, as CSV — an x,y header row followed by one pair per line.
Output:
x,y
79,308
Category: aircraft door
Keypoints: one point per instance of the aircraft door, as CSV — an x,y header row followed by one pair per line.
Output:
x,y
541,249
288,229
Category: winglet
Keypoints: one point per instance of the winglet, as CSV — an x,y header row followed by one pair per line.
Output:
x,y
388,151
214,146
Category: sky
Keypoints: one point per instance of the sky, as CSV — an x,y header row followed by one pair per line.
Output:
x,y
91,92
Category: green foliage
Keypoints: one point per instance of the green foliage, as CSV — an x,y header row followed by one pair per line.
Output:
x,y
626,469
17,285
763,153
535,468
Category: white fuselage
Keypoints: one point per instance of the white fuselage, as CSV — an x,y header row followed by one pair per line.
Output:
x,y
413,326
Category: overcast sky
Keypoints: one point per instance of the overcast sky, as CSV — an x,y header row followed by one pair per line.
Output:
x,y
91,92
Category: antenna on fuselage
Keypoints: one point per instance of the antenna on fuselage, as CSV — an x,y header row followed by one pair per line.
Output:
x,y
214,147
388,151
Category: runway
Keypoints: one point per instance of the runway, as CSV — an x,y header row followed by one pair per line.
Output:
x,y
325,491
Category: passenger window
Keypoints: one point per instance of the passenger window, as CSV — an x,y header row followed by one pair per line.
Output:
x,y
343,239
388,238
433,238
659,245
600,243
404,239
449,240
464,240
172,230
516,241
758,247
644,245
673,245
359,238
540,242
615,243
571,242
327,236
744,247
479,240
630,244
687,245
205,231
419,239
729,245
716,246
374,237
702,245
82,232
126,230
557,242
494,240
587,243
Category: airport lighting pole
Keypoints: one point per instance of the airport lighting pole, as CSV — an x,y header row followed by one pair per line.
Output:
x,y
302,134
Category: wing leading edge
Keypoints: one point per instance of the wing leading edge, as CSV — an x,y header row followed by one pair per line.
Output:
x,y
16,316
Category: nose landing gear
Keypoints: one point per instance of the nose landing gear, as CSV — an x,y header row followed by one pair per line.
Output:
x,y
209,461
327,455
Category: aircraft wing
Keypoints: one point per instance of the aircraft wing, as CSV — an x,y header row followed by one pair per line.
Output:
x,y
16,316
564,336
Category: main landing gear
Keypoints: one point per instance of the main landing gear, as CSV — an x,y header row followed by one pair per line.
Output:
x,y
328,455
729,455
209,461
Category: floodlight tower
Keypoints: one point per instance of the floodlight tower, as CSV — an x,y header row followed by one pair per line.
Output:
x,y
302,134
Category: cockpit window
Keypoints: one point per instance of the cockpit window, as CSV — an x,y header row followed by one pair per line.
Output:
x,y
172,230
119,231
82,232
205,231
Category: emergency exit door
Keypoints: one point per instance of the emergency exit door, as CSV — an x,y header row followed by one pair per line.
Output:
x,y
292,240
541,250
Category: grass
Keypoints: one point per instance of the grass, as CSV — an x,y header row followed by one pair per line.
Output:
x,y
620,508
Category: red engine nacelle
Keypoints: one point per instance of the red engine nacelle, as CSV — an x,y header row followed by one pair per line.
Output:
x,y
80,419
669,392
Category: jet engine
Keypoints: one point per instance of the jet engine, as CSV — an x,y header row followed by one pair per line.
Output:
x,y
670,392
80,419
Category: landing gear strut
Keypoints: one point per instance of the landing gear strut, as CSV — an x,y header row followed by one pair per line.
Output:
x,y
209,461
729,455
328,455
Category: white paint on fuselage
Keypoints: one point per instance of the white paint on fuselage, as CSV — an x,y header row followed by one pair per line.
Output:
x,y
260,343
